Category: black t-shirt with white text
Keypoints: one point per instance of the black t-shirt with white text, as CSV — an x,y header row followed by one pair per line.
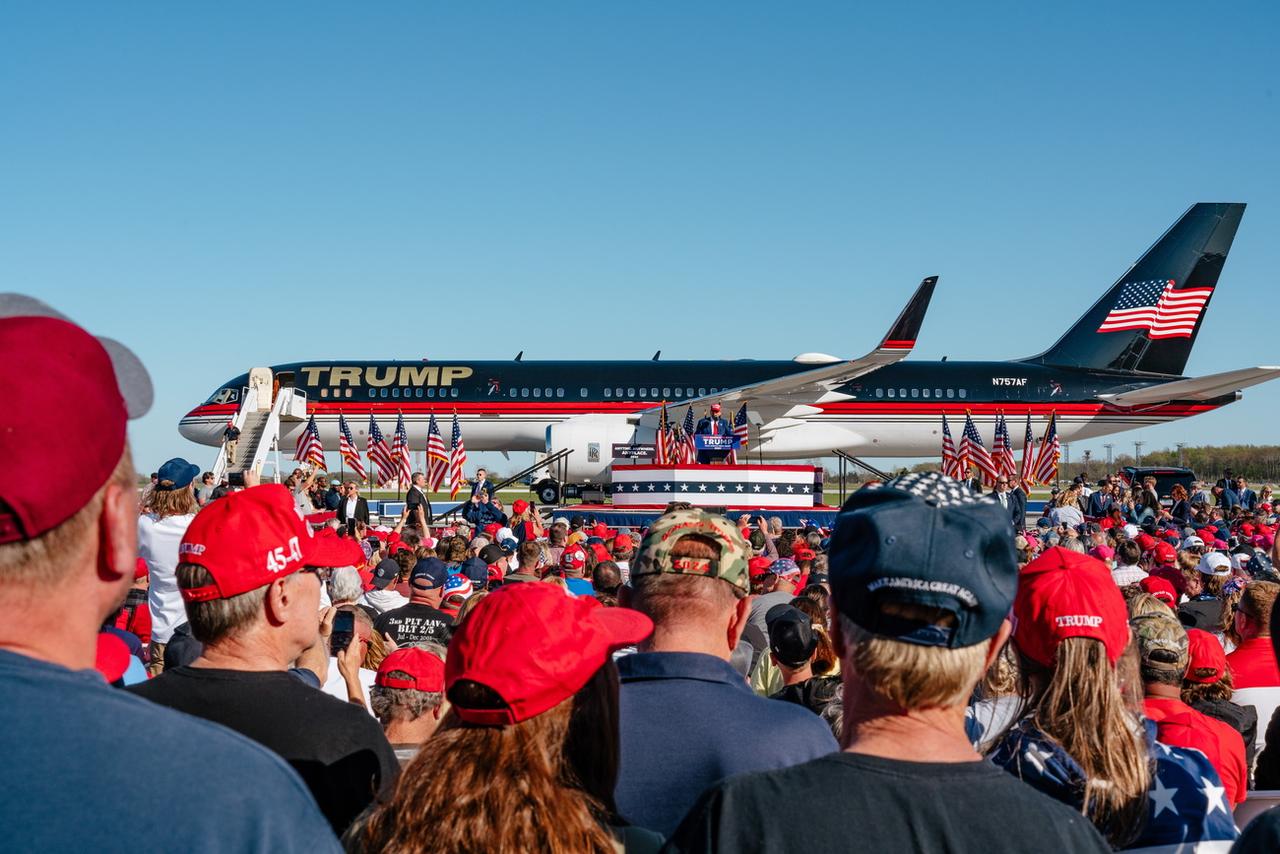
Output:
x,y
415,623
337,748
849,801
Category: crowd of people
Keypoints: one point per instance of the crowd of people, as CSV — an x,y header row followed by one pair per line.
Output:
x,y
268,668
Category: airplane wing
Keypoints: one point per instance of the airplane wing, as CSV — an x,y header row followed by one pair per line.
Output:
x,y
793,394
1197,388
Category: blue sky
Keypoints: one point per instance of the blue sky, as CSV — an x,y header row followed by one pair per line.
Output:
x,y
222,186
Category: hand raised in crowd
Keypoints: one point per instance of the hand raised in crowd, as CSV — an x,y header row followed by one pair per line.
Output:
x,y
349,661
316,657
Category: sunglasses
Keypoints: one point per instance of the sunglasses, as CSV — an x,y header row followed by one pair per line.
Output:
x,y
322,573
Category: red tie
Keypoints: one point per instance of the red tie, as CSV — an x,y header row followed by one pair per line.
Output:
x,y
713,426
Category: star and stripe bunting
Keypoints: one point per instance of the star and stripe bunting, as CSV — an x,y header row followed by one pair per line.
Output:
x,y
1157,307
380,461
400,452
347,448
457,459
437,457
309,451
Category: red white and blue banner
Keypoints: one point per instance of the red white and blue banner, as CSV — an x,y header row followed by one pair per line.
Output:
x,y
715,486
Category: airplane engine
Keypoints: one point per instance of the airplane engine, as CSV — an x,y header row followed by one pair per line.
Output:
x,y
592,438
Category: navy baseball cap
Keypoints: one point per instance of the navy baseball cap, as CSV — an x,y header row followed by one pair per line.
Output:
x,y
791,636
476,570
924,539
385,573
430,573
175,474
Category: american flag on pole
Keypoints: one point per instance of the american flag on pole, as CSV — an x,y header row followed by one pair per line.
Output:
x,y
1050,449
309,450
972,448
662,454
950,462
689,449
400,452
1156,306
379,454
457,459
742,430
1028,473
437,457
1002,449
347,448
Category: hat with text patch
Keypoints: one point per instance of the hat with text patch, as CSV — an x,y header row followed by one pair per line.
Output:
x,y
923,540
1065,594
246,540
668,529
50,362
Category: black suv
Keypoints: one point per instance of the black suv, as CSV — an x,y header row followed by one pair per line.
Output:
x,y
1166,477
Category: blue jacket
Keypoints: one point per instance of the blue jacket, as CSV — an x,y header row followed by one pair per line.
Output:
x,y
688,720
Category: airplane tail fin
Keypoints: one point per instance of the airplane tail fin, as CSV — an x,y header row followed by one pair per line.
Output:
x,y
1148,321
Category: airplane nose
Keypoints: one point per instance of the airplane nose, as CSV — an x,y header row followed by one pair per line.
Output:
x,y
199,429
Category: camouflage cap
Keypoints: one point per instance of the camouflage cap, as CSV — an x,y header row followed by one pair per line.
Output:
x,y
667,530
1162,641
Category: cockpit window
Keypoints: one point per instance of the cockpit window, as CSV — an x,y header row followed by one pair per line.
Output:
x,y
225,395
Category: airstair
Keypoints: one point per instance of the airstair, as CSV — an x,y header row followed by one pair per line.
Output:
x,y
259,419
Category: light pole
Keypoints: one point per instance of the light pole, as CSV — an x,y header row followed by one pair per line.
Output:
x,y
1087,454
1109,448
1180,446
1137,452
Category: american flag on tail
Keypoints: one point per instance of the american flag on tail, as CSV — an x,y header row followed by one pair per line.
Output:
x,y
457,459
400,452
309,450
1028,474
742,430
347,448
950,461
1002,449
1050,449
1158,308
689,449
437,457
971,448
379,454
662,454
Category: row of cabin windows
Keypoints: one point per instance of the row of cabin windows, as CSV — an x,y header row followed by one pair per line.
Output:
x,y
408,392
923,392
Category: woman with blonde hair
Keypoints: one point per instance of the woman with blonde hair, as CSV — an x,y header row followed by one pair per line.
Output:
x,y
171,508
1075,712
526,758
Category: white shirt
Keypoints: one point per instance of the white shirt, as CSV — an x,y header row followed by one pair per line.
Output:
x,y
302,502
351,508
158,540
336,686
1126,575
383,600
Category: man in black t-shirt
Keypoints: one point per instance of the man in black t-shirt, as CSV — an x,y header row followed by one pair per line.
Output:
x,y
421,619
919,619
249,572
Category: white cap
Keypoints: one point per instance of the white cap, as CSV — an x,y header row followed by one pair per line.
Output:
x,y
1193,541
1215,563
1239,561
1131,531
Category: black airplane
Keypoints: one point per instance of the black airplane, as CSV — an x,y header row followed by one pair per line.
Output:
x,y
1119,367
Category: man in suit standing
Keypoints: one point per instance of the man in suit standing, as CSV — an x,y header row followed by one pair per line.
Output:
x,y
713,425
482,483
353,508
1012,499
1248,498
1101,501
417,505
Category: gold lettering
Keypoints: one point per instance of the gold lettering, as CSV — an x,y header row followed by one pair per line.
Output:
x,y
350,376
423,375
448,375
314,374
371,376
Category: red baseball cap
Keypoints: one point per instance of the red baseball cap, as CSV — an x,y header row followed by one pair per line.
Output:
x,y
1204,653
600,552
1064,594
574,557
622,542
48,361
491,530
799,553
247,540
426,671
328,549
758,566
1165,553
1146,542
519,506
715,407
1160,588
535,646
112,656
1171,575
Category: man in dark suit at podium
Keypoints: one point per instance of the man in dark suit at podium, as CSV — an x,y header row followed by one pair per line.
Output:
x,y
713,426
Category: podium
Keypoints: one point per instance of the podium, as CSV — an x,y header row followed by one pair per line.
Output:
x,y
733,487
